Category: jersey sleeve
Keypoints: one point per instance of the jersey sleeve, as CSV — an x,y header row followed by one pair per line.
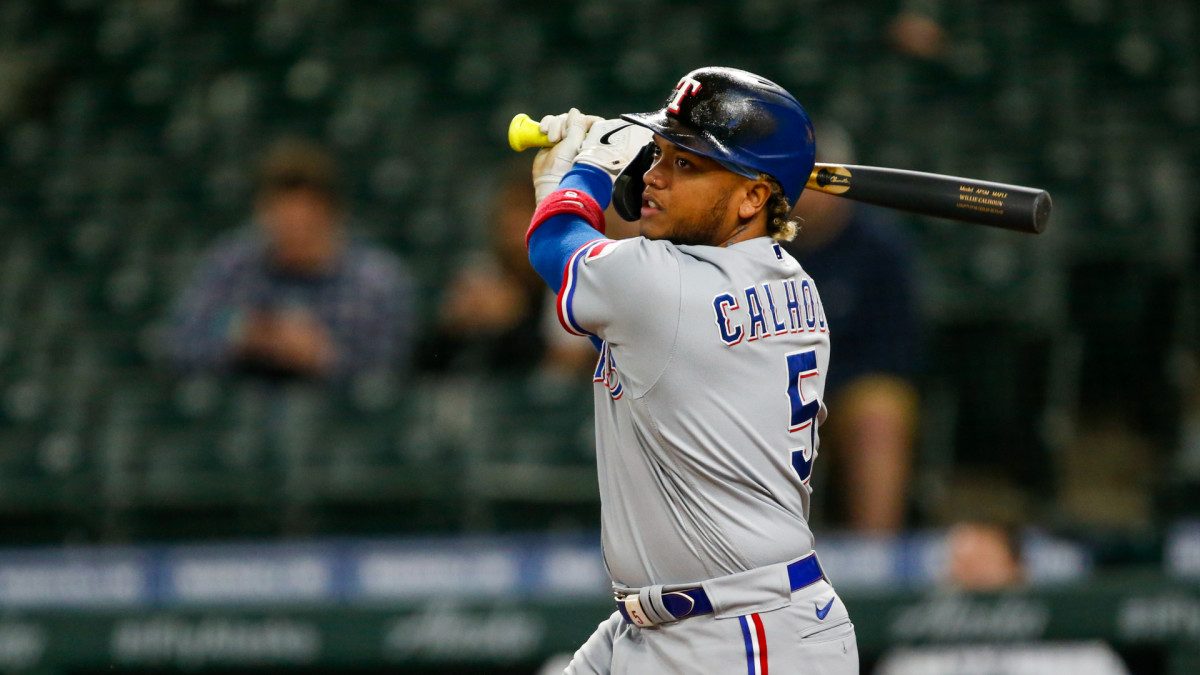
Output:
x,y
621,291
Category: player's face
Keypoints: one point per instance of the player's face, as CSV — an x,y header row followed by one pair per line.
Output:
x,y
688,197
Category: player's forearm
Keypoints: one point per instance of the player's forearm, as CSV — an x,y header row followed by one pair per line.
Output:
x,y
553,241
590,179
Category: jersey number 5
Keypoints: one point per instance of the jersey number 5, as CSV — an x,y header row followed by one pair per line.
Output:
x,y
803,365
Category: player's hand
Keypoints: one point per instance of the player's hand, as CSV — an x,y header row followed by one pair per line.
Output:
x,y
611,144
555,126
567,132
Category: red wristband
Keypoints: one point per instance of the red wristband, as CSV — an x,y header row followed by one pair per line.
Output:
x,y
575,202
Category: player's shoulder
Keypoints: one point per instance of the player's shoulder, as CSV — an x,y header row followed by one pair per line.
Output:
x,y
755,247
631,244
614,252
761,255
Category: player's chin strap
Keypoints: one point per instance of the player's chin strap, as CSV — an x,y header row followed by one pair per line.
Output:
x,y
629,185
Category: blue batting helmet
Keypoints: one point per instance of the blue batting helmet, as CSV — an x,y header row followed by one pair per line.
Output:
x,y
747,123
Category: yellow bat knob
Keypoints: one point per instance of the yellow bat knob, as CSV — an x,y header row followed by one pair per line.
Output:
x,y
524,133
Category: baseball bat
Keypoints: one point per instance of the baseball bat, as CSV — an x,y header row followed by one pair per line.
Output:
x,y
1011,207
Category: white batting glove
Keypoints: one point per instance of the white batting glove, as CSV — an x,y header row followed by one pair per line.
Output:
x,y
555,126
611,144
567,132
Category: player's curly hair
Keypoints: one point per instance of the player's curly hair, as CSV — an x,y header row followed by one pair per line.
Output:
x,y
780,225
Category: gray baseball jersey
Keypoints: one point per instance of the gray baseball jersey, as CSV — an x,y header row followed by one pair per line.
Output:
x,y
708,397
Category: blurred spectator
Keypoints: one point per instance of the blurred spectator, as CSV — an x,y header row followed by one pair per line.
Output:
x,y
983,556
295,294
916,34
863,272
496,315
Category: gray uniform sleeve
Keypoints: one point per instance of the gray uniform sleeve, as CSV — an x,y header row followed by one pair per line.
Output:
x,y
626,293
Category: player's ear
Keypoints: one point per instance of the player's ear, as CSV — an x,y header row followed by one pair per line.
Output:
x,y
757,192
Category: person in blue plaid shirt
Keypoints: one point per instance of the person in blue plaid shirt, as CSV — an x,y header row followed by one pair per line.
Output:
x,y
294,294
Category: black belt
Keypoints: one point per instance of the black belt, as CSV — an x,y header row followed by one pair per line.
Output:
x,y
694,601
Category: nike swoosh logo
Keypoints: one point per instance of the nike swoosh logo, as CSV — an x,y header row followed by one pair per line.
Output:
x,y
823,612
605,137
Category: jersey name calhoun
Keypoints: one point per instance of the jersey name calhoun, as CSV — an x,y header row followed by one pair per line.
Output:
x,y
801,311
708,399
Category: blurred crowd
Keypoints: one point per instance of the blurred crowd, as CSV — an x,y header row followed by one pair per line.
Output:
x,y
931,422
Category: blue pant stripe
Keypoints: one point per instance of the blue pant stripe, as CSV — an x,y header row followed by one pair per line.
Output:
x,y
749,645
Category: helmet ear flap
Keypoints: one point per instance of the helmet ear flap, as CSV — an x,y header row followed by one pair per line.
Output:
x,y
629,185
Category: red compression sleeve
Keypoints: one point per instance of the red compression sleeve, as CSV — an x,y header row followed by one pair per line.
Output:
x,y
574,202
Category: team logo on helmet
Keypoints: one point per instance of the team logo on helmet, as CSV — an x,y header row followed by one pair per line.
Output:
x,y
688,86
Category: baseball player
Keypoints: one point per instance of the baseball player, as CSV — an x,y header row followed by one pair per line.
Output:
x,y
713,353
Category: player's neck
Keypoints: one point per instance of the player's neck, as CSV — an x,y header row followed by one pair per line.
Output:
x,y
744,231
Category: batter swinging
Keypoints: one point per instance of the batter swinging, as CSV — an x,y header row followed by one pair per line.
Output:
x,y
713,352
